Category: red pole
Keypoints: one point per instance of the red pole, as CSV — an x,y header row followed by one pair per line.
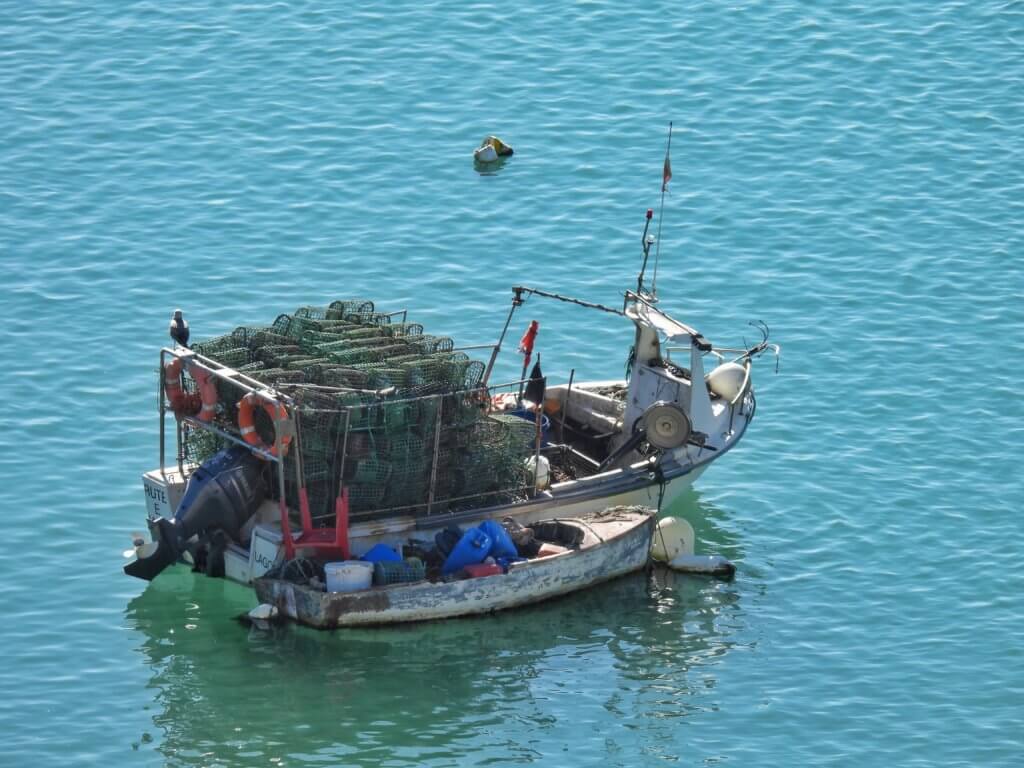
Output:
x,y
286,531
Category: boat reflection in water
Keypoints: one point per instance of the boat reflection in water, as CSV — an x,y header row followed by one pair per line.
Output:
x,y
638,651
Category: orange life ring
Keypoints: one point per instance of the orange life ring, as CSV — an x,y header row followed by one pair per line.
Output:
x,y
172,384
182,402
207,391
247,424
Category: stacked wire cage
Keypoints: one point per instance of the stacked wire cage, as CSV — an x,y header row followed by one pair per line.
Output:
x,y
395,415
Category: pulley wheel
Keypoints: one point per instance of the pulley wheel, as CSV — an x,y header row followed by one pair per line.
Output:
x,y
666,426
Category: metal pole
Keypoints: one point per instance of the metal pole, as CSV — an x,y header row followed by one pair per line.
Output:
x,y
343,496
522,380
437,443
565,407
180,449
286,529
344,452
163,415
516,301
300,471
536,455
178,446
646,246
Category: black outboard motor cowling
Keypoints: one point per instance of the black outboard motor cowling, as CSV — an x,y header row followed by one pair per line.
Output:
x,y
222,494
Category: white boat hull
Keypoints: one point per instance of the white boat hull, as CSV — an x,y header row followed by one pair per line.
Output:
x,y
243,565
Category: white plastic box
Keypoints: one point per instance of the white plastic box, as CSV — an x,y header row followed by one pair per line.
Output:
x,y
163,491
236,564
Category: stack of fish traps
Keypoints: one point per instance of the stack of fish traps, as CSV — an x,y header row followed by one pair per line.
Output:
x,y
396,415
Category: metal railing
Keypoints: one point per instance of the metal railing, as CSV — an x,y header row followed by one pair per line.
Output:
x,y
282,426
291,424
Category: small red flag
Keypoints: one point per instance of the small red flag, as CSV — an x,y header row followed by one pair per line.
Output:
x,y
666,174
526,343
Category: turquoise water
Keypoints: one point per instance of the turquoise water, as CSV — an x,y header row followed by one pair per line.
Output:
x,y
852,175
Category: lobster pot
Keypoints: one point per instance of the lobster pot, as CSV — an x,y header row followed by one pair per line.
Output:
x,y
364,497
199,444
410,471
408,571
372,472
255,337
382,408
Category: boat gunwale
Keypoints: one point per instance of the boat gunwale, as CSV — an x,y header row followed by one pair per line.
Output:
x,y
617,481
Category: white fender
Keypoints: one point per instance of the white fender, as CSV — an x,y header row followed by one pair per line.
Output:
x,y
712,565
673,537
728,380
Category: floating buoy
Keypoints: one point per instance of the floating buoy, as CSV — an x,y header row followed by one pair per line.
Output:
x,y
263,612
491,149
673,545
710,565
673,537
540,471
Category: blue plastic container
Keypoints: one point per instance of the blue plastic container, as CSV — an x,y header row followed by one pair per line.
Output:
x,y
530,416
381,553
502,545
472,548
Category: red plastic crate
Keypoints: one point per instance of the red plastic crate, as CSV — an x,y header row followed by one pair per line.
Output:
x,y
483,569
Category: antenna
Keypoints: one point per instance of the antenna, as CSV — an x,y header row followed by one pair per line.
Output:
x,y
645,241
666,176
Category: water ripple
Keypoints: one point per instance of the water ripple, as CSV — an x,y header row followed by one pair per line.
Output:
x,y
850,174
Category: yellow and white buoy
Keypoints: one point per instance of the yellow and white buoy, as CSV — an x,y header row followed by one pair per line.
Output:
x,y
491,150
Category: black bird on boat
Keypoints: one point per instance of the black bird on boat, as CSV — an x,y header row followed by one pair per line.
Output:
x,y
179,329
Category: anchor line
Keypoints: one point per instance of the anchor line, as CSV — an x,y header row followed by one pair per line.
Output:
x,y
660,477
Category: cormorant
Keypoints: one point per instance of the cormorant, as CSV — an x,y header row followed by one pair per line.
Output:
x,y
179,329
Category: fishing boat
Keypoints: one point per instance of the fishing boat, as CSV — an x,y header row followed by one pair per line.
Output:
x,y
341,426
575,553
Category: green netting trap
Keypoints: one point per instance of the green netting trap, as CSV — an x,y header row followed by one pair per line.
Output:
x,y
380,407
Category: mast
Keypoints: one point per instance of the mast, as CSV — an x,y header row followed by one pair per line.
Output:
x,y
646,240
666,176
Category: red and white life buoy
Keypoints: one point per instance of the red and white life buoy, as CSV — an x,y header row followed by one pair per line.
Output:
x,y
182,403
172,385
247,422
207,392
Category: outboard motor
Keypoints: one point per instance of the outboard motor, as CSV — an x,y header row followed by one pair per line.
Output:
x,y
220,496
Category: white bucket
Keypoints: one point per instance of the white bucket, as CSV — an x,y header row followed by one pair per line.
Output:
x,y
348,576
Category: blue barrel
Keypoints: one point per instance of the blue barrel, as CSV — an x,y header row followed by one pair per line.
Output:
x,y
472,548
502,545
381,553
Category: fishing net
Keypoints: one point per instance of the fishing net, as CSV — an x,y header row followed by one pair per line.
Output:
x,y
391,413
